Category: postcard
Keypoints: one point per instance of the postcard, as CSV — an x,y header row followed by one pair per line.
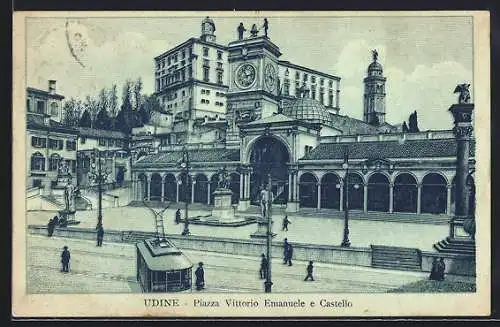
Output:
x,y
251,164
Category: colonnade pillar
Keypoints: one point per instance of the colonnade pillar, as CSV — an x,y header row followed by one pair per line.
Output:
x,y
365,197
419,197
318,206
448,199
391,197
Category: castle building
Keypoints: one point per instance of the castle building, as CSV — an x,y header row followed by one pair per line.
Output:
x,y
297,138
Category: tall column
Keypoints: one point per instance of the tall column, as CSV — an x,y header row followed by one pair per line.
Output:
x,y
208,193
242,184
290,187
419,197
148,186
177,190
163,188
296,186
193,183
462,114
391,197
247,196
341,191
319,196
448,199
365,198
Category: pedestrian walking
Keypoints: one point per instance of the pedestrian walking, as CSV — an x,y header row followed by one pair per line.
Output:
x,y
309,270
50,227
200,277
65,257
434,270
263,266
100,235
285,251
441,267
286,222
289,254
178,216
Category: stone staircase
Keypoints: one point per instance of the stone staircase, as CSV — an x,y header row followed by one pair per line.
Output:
x,y
456,246
399,258
360,215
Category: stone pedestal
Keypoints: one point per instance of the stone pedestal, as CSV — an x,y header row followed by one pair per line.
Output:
x,y
262,229
223,211
67,217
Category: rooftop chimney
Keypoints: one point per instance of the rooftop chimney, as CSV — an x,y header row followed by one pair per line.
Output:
x,y
52,86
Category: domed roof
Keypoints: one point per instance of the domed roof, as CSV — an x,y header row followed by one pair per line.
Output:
x,y
375,66
207,20
308,110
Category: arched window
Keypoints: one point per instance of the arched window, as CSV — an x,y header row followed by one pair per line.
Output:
x,y
37,161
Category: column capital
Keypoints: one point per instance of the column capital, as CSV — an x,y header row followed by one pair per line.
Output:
x,y
449,186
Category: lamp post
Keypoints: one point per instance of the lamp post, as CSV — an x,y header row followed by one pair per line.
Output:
x,y
98,176
268,283
345,165
185,166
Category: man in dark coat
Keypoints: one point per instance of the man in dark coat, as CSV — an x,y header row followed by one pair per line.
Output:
x,y
285,224
285,248
100,235
441,267
263,266
289,254
309,271
434,269
65,257
50,227
178,216
200,277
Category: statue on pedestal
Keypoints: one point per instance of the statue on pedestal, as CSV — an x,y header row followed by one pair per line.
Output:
x,y
266,26
266,200
224,178
69,196
241,29
464,96
374,54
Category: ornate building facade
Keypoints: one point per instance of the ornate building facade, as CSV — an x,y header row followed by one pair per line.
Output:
x,y
300,145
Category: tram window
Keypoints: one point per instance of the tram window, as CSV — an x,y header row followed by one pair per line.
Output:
x,y
173,280
159,281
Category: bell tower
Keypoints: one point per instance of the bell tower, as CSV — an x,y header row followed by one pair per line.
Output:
x,y
374,97
253,82
208,30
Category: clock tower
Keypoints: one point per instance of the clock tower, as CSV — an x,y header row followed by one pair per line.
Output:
x,y
253,83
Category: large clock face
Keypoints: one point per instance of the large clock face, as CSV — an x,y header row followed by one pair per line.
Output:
x,y
270,77
245,76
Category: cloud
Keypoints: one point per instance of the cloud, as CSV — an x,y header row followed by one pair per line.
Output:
x,y
427,88
127,56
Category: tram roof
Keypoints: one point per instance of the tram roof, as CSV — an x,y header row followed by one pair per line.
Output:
x,y
195,155
167,261
388,149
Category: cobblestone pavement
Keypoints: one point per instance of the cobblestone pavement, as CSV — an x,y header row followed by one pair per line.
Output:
x,y
111,269
307,229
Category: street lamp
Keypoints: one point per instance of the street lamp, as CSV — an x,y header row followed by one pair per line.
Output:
x,y
184,164
345,165
268,283
98,175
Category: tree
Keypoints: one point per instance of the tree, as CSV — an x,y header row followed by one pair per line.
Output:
x,y
91,105
113,101
85,120
71,112
413,123
137,94
103,121
151,104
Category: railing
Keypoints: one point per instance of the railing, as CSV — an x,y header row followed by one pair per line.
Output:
x,y
439,134
31,192
194,146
